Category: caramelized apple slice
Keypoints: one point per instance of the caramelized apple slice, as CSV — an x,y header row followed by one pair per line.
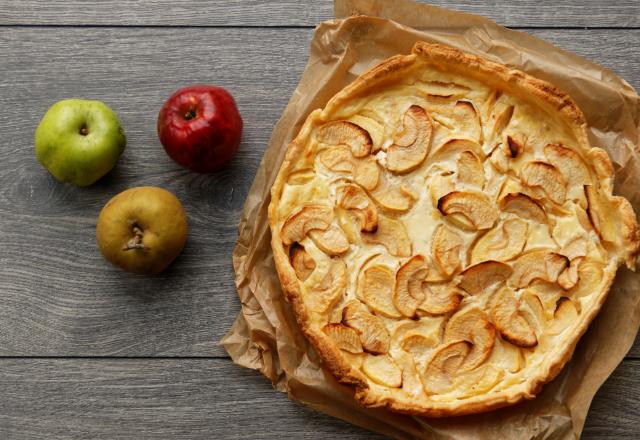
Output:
x,y
325,293
523,206
364,171
479,381
453,148
501,119
338,159
472,326
371,330
569,277
413,143
308,218
441,183
469,209
418,337
440,298
499,159
576,247
392,196
515,145
355,200
541,265
467,120
507,356
509,322
615,222
470,170
377,290
419,345
407,293
502,243
569,163
565,316
442,89
345,338
546,177
485,276
532,310
392,234
373,127
490,103
411,383
346,133
382,370
303,264
331,241
444,364
590,276
445,249
300,177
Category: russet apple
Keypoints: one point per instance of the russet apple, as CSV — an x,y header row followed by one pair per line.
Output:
x,y
79,141
142,229
200,127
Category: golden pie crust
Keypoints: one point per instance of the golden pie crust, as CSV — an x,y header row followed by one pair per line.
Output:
x,y
445,233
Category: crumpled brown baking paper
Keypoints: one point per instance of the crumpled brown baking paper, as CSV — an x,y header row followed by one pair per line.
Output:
x,y
265,335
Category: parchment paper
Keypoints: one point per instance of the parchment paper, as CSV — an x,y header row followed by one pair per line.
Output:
x,y
265,335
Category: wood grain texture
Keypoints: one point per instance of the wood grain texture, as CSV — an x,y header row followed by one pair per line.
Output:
x,y
59,297
204,399
520,13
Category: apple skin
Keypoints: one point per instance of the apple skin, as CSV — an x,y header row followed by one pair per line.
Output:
x,y
200,127
78,141
142,229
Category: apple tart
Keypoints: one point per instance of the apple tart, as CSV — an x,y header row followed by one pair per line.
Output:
x,y
445,233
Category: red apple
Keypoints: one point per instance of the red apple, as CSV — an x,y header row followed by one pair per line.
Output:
x,y
200,127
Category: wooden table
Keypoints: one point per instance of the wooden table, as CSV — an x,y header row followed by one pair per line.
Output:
x,y
87,351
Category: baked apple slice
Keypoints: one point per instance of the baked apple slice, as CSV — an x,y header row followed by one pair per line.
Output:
x,y
474,327
542,265
509,321
346,133
484,277
371,330
303,264
309,218
445,249
392,234
412,144
547,178
344,337
524,206
354,199
445,362
408,293
383,370
502,243
376,286
470,210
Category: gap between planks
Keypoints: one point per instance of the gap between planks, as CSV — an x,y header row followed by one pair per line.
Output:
x,y
187,26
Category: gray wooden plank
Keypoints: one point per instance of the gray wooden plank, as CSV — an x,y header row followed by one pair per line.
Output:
x,y
198,399
614,412
59,297
152,399
522,13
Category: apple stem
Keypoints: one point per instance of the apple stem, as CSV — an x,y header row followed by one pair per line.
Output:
x,y
190,114
136,240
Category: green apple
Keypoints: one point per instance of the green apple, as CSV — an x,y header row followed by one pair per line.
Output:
x,y
79,141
